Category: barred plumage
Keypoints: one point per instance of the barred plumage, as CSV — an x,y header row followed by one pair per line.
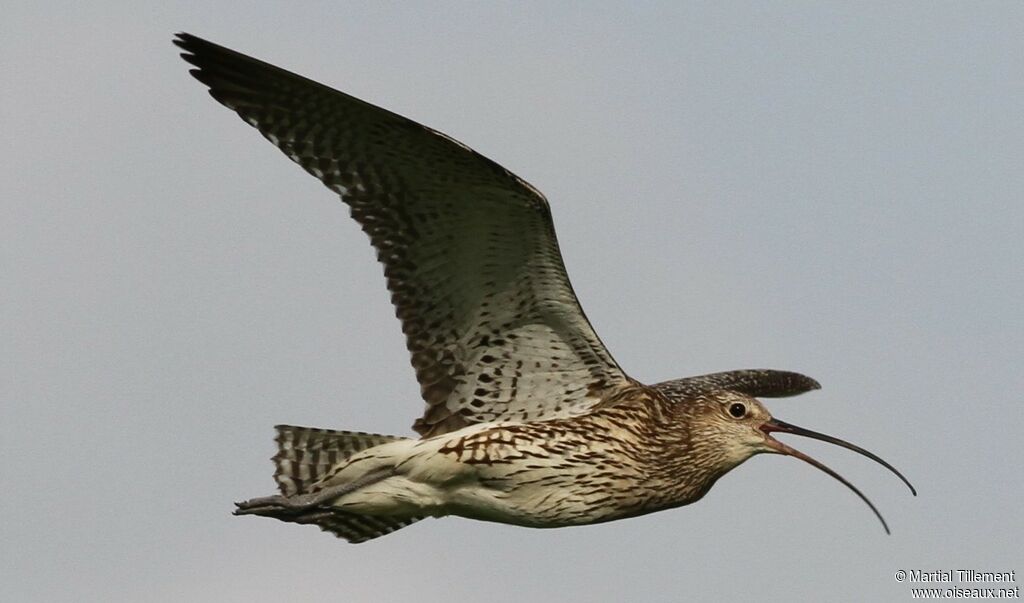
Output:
x,y
528,420
306,454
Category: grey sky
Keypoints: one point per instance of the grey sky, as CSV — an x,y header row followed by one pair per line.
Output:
x,y
834,189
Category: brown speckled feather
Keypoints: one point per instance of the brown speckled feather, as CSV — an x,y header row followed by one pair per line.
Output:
x,y
469,250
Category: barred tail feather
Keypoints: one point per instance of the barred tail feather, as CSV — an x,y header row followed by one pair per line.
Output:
x,y
305,454
353,527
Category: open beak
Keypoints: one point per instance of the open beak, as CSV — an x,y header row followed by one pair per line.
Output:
x,y
775,425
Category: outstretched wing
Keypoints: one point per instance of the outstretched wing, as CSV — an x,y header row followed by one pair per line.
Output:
x,y
757,383
468,248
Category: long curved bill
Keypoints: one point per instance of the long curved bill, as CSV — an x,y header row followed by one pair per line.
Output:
x,y
775,425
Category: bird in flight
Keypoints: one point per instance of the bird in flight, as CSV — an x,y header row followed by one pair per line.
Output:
x,y
528,419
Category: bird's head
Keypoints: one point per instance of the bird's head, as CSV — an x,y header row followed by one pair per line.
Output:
x,y
725,428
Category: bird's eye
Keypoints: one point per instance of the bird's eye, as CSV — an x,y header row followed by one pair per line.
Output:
x,y
738,410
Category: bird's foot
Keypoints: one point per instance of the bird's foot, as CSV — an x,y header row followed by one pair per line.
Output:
x,y
271,505
278,505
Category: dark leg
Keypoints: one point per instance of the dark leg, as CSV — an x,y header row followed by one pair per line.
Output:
x,y
290,505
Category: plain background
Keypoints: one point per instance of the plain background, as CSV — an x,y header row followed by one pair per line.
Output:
x,y
829,188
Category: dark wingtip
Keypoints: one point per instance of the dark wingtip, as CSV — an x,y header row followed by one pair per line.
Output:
x,y
185,41
757,383
787,383
192,46
766,383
